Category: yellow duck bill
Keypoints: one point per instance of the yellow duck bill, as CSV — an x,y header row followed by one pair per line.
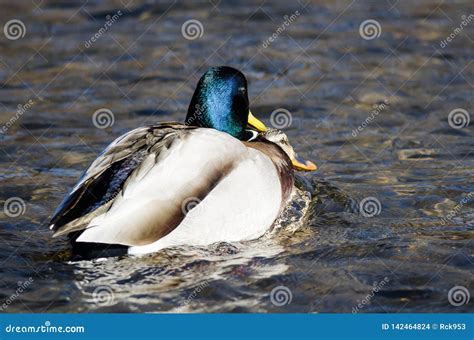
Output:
x,y
302,164
256,123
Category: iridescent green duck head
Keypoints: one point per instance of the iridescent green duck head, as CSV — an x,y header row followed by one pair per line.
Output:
x,y
220,101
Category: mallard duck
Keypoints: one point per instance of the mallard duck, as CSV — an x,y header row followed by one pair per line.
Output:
x,y
215,178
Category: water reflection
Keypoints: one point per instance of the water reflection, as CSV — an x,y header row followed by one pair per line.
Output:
x,y
326,75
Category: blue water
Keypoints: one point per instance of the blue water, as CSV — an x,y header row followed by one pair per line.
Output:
x,y
328,256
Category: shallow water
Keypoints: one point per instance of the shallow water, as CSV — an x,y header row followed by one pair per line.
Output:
x,y
327,256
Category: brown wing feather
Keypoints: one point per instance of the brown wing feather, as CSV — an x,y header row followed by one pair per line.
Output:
x,y
103,181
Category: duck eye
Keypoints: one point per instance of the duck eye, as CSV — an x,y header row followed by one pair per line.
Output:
x,y
242,89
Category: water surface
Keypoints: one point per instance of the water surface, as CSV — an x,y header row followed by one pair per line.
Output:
x,y
326,254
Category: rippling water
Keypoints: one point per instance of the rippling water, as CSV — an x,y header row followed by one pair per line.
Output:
x,y
325,256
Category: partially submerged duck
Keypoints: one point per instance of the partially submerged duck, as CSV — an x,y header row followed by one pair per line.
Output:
x,y
220,177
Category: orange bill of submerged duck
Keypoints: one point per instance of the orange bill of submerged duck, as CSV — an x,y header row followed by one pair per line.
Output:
x,y
298,163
